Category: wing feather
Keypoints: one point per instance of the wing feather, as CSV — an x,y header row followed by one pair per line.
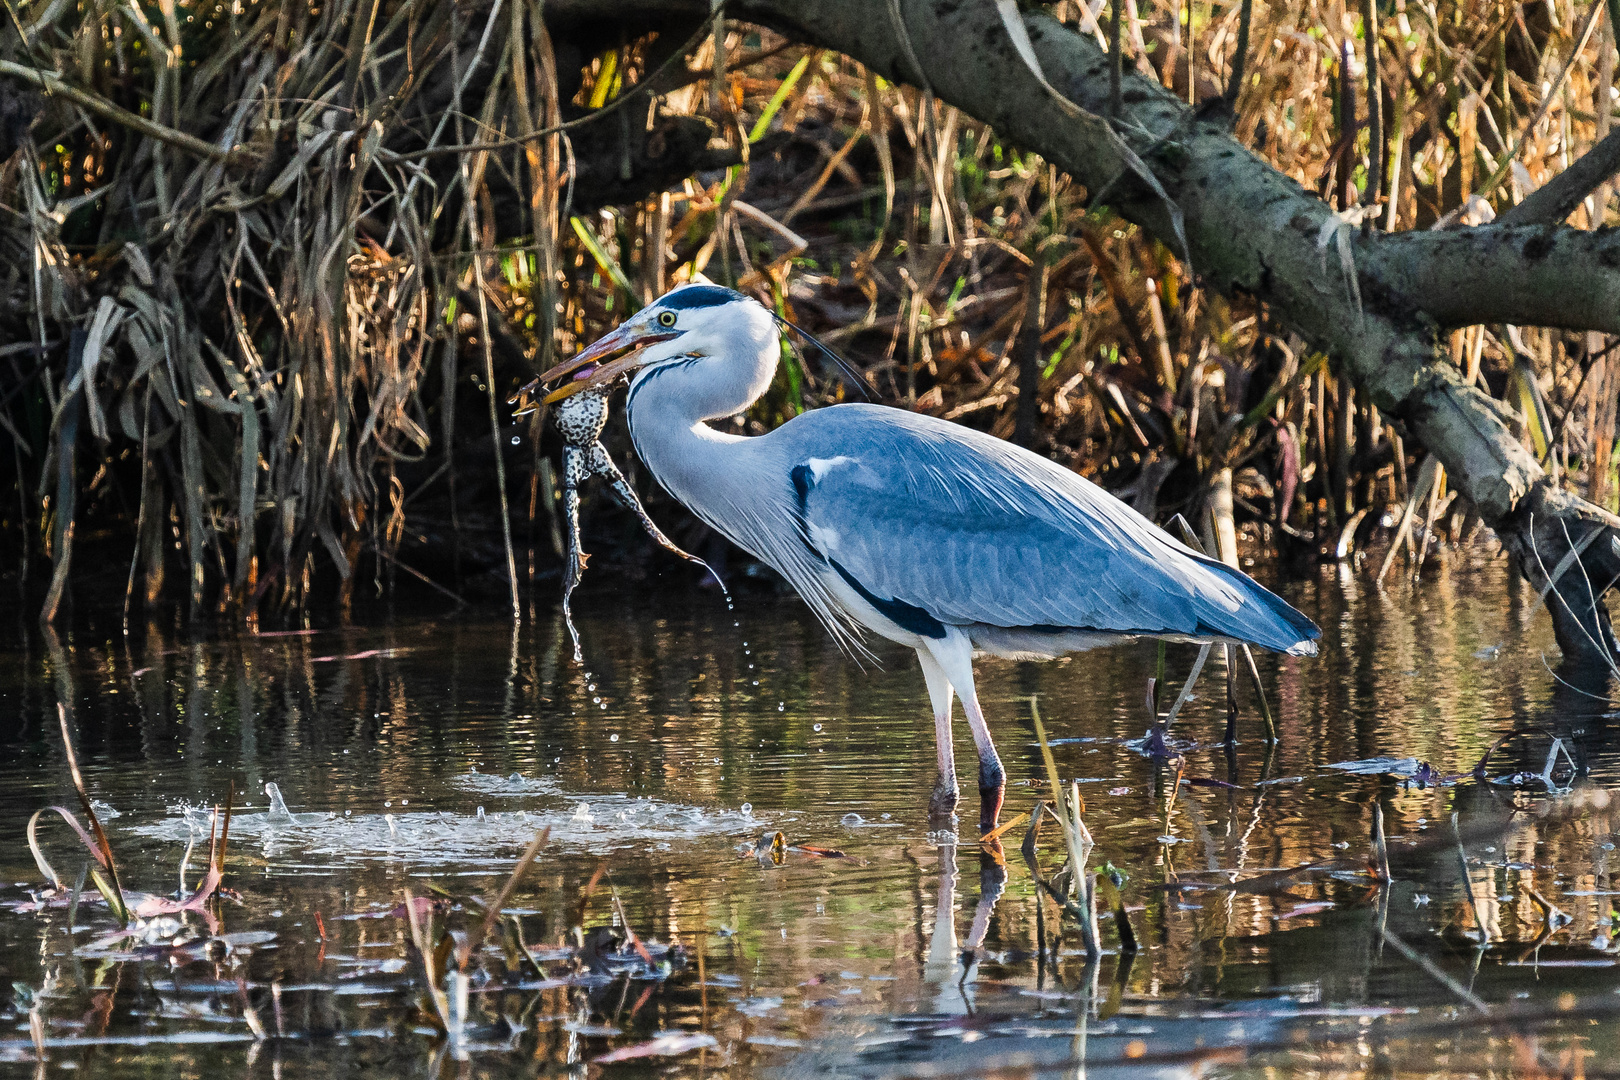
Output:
x,y
972,529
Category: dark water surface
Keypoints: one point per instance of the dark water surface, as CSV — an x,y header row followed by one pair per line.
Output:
x,y
421,753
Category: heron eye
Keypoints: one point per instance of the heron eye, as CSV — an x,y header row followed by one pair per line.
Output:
x,y
666,318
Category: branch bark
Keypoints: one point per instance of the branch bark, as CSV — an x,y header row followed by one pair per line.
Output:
x,y
1527,275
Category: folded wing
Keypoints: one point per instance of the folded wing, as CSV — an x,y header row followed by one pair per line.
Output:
x,y
974,530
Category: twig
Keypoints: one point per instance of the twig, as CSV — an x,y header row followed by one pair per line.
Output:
x,y
1260,695
1434,972
1376,151
1116,58
616,104
1187,687
1555,200
1553,89
1468,884
102,107
492,913
1380,844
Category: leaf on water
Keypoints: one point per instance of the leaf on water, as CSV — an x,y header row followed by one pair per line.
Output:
x,y
668,1045
424,905
820,852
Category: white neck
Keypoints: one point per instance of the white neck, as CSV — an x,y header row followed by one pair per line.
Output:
x,y
668,411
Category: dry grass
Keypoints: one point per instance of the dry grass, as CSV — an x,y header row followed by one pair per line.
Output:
x,y
237,216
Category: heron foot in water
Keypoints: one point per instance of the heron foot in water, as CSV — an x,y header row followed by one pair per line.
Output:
x,y
942,800
990,807
992,789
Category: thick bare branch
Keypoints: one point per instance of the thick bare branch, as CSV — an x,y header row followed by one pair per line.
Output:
x,y
1528,275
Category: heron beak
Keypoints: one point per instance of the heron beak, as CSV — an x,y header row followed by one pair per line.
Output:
x,y
606,360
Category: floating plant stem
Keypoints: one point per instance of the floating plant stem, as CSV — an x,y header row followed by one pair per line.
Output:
x,y
492,910
1468,884
1380,845
108,886
424,948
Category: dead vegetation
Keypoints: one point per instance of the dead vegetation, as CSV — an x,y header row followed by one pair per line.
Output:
x,y
268,272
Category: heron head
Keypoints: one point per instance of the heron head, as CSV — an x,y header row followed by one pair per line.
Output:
x,y
692,321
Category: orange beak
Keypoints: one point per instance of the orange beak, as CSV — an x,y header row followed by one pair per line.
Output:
x,y
610,357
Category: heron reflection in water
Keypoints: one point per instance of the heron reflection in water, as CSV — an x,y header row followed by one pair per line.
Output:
x,y
921,531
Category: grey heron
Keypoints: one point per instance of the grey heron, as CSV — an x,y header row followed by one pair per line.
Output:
x,y
922,531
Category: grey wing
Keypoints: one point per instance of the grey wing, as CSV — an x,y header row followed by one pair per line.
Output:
x,y
939,521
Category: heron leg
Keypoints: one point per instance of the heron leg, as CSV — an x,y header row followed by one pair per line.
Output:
x,y
943,799
954,654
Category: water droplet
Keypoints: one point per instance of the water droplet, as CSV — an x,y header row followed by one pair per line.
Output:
x,y
781,706
390,802
596,701
603,706
817,727
747,809
613,738
517,440
348,813
404,802
853,820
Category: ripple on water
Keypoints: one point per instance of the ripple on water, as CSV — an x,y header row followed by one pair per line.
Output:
x,y
593,823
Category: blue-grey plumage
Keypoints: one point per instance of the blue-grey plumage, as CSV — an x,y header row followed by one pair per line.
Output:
x,y
972,531
922,531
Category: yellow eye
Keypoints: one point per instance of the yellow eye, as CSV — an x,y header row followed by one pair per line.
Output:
x,y
666,318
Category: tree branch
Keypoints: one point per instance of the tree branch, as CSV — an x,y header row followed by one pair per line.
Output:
x,y
52,83
1250,228
1528,275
